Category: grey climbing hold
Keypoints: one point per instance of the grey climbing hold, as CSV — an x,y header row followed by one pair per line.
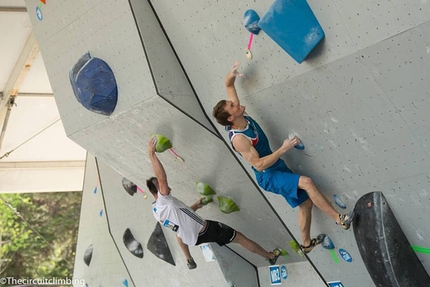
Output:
x,y
132,244
88,255
129,186
157,244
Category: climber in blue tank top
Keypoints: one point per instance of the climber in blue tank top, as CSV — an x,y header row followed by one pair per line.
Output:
x,y
248,139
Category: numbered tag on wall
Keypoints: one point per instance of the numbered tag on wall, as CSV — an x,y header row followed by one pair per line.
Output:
x,y
275,275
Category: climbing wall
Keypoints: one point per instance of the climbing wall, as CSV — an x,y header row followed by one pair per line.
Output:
x,y
105,265
358,102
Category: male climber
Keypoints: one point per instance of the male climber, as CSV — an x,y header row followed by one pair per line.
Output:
x,y
190,228
249,140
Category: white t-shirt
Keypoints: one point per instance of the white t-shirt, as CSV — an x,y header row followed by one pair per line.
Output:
x,y
174,214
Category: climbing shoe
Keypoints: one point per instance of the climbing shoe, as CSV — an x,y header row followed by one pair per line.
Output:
x,y
314,242
277,252
346,220
191,263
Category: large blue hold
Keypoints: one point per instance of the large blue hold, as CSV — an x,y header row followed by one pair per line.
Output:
x,y
293,26
94,85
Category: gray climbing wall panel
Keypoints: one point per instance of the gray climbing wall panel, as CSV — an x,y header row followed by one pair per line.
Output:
x,y
170,81
359,103
135,212
106,267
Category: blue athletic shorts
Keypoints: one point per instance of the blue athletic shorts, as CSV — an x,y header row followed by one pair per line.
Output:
x,y
279,179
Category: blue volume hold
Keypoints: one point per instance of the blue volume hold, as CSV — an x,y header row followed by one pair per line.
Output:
x,y
338,201
250,20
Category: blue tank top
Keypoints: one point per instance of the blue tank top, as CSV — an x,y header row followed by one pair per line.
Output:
x,y
255,134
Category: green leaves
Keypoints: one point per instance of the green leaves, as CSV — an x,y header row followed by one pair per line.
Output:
x,y
39,233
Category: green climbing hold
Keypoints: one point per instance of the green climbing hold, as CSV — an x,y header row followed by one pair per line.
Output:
x,y
227,205
206,199
163,143
204,188
296,248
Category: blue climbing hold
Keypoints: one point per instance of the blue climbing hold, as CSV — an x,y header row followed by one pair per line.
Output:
x,y
125,283
101,213
339,201
250,20
299,145
94,85
327,243
95,190
293,26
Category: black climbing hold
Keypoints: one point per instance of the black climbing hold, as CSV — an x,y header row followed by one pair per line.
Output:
x,y
129,186
132,244
157,244
384,248
88,255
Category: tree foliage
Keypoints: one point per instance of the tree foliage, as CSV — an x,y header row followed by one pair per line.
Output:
x,y
38,234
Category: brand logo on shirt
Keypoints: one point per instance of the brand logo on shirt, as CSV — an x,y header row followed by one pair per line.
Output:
x,y
167,223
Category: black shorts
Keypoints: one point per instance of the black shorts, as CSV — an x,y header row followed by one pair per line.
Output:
x,y
216,232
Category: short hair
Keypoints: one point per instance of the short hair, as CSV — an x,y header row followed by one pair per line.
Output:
x,y
220,114
151,186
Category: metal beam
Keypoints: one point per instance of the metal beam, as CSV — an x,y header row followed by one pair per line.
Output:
x,y
17,77
9,105
44,95
12,9
42,164
20,71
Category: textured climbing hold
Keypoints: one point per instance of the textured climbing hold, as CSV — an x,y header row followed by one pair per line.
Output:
x,y
327,243
293,26
162,144
339,201
206,199
88,255
157,244
227,205
129,186
296,248
132,244
204,188
250,20
94,85
380,238
300,145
